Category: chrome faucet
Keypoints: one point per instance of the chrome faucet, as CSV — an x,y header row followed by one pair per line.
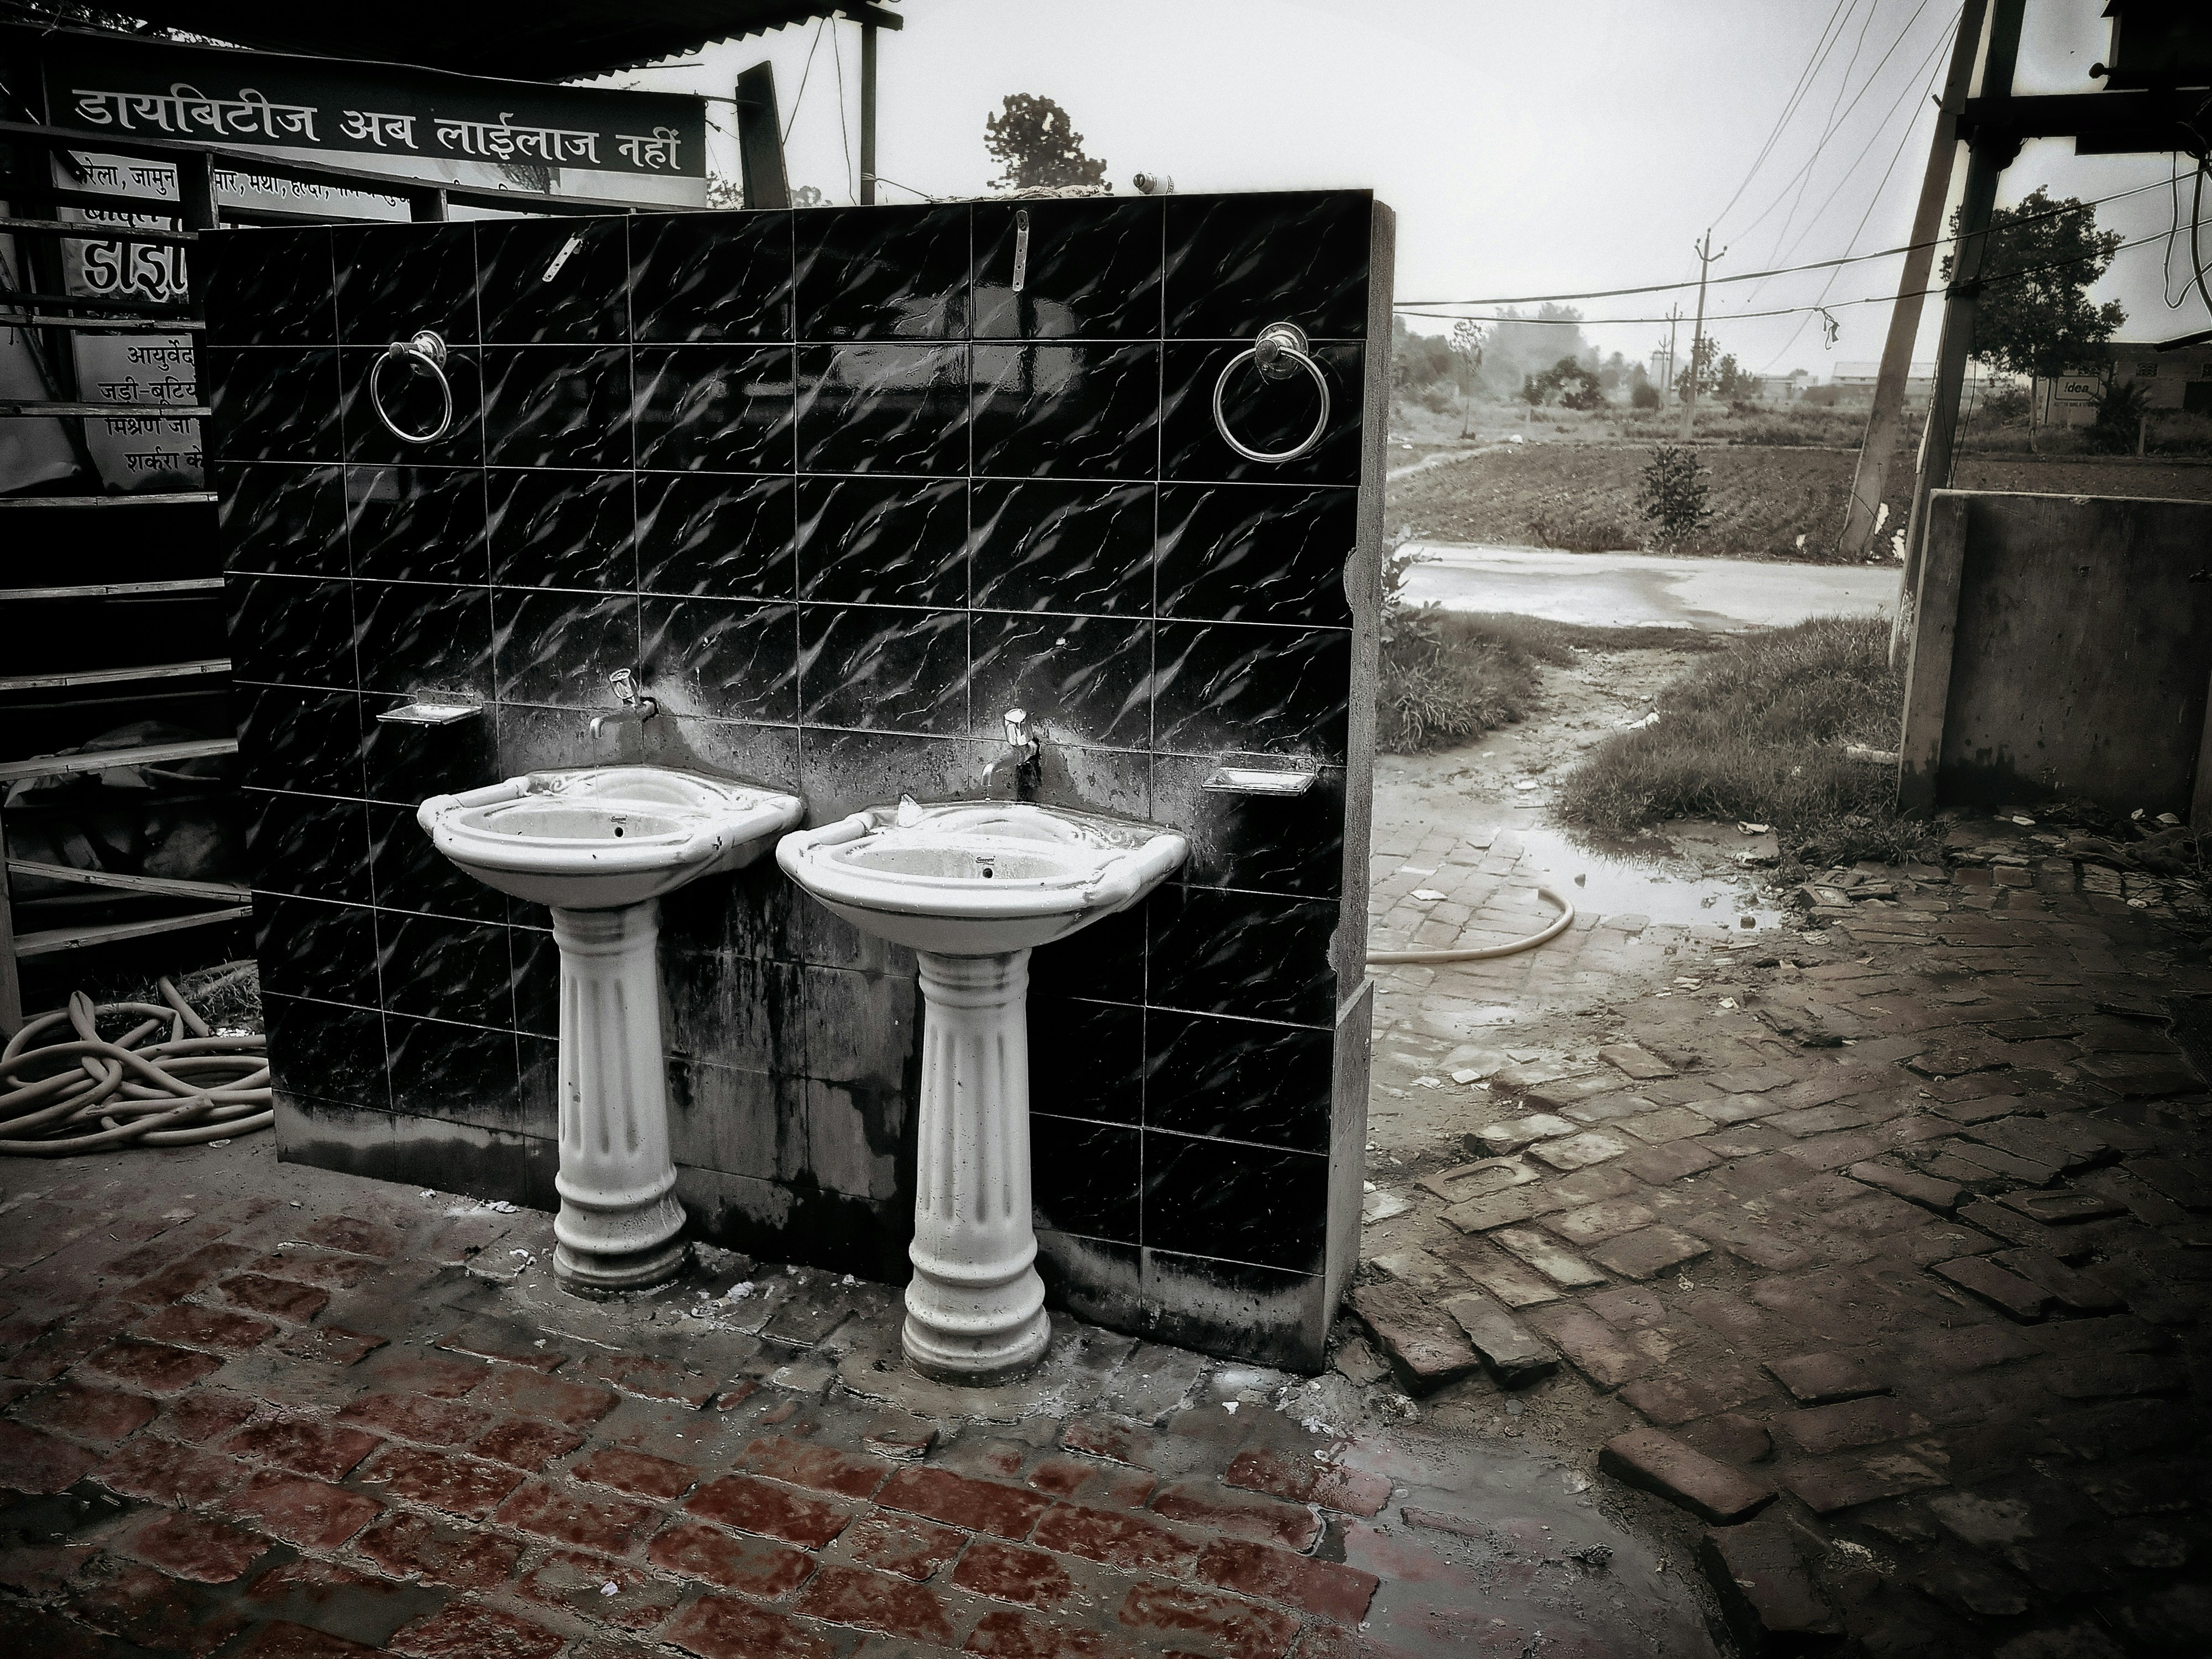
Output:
x,y
1021,752
635,705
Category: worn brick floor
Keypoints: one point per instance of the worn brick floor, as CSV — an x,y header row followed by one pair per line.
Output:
x,y
1876,1251
250,1409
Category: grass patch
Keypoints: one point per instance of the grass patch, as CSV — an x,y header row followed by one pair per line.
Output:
x,y
1758,733
1448,676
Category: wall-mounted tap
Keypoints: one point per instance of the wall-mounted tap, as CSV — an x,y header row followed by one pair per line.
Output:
x,y
635,705
1020,755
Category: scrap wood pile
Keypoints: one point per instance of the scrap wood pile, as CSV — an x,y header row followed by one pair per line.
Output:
x,y
65,1088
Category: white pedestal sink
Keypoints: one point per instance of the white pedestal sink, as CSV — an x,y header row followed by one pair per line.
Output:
x,y
600,845
971,887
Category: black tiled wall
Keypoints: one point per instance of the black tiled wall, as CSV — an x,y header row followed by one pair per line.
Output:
x,y
841,496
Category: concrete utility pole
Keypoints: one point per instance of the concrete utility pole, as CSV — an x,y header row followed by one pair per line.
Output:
x,y
1706,257
1987,157
1884,425
1673,317
867,112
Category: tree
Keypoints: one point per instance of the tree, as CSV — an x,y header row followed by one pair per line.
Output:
x,y
1035,145
1705,365
1577,386
1466,357
2035,317
1732,382
1671,495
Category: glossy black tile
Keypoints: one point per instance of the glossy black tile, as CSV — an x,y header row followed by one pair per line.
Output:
x,y
1261,1315
411,764
1236,1079
1086,1178
1256,553
307,846
551,529
1226,687
290,738
727,1010
1083,680
263,287
1236,264
423,524
883,408
885,669
415,404
459,1073
1221,1198
282,518
394,281
292,630
721,537
1079,547
840,772
1272,416
444,967
1264,843
1106,1042
874,273
534,970
270,403
542,282
738,1122
309,948
1248,954
732,659
1091,269
323,1050
710,277
558,648
418,637
1066,411
861,1027
884,541
714,409
538,1061
557,406
1105,961
410,873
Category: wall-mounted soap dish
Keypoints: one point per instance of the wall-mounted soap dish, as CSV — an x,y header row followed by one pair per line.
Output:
x,y
432,709
1262,774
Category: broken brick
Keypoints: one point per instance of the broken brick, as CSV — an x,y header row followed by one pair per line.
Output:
x,y
1426,1348
1309,1480
1681,1473
1765,1593
1515,1354
2011,1295
1327,1588
411,1546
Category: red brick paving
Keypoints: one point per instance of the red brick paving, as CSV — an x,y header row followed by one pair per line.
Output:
x,y
204,1551
324,1450
308,1513
721,1627
101,1415
279,1299
164,1472
439,1552
438,1481
755,1565
910,1548
38,1462
610,1525
152,1365
525,1444
875,1600
469,1631
977,1505
638,1473
526,1394
773,1511
189,1325
417,1417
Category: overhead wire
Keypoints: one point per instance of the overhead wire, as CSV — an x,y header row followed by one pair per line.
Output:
x,y
1818,55
799,97
844,127
1828,131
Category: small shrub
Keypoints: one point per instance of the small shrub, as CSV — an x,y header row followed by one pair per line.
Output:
x,y
1671,494
1644,396
2119,418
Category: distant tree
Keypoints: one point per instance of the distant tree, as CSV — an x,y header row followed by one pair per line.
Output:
x,y
2035,317
723,192
1036,144
1532,393
1703,365
1576,386
807,196
1732,382
1466,357
1644,394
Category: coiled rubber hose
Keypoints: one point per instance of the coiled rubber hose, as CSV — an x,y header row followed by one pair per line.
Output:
x,y
179,1091
1566,919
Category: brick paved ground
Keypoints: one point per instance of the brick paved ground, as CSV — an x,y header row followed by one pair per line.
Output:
x,y
255,1410
1877,1250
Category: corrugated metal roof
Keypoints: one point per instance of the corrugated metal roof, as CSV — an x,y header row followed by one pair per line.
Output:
x,y
522,40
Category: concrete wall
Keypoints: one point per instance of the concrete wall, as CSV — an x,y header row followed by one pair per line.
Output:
x,y
2062,647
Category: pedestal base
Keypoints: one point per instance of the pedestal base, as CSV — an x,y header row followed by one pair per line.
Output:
x,y
975,1305
620,1221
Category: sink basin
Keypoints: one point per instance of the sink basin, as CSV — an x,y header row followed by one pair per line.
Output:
x,y
600,845
973,887
601,838
973,878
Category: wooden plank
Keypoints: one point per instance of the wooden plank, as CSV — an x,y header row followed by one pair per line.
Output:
x,y
40,407
173,498
90,231
152,754
1934,628
106,325
157,670
23,296
77,938
171,886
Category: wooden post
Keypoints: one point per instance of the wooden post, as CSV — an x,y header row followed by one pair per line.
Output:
x,y
760,140
1928,673
867,114
1885,423
196,191
1989,156
428,207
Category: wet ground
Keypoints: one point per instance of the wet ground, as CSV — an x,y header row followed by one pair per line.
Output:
x,y
1645,589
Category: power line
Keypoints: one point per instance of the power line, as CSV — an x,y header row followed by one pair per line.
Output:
x,y
799,97
1753,276
1828,132
1812,62
1411,308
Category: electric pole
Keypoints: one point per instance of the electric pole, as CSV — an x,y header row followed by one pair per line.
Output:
x,y
1706,257
1673,317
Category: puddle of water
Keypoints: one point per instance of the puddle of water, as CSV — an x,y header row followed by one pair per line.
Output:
x,y
1661,884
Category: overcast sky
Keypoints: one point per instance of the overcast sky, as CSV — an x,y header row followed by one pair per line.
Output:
x,y
1528,149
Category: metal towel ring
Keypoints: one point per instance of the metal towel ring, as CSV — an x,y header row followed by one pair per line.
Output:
x,y
1277,343
428,351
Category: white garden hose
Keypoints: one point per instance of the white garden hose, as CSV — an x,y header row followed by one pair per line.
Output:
x,y
1484,953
